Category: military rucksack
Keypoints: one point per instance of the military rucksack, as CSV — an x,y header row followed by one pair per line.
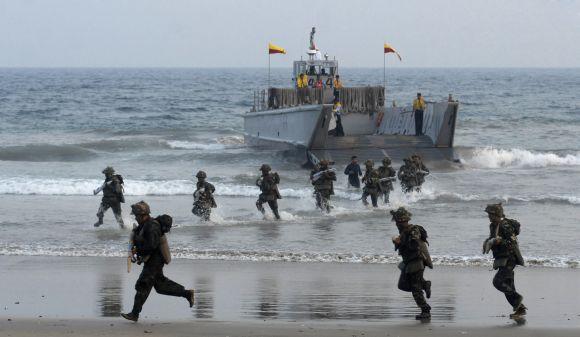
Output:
x,y
165,221
424,251
423,233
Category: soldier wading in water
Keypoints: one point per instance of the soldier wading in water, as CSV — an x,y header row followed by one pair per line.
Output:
x,y
412,246
371,181
112,196
322,178
386,177
268,184
150,248
203,200
503,243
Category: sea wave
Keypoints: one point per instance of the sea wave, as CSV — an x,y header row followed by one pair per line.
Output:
x,y
490,157
46,153
280,256
185,145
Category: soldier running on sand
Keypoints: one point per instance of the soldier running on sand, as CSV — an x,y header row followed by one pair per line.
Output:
x,y
503,243
268,184
412,246
112,196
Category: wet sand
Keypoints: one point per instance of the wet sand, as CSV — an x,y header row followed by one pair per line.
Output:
x,y
50,295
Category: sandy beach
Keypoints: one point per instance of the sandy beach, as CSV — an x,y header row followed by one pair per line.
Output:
x,y
51,296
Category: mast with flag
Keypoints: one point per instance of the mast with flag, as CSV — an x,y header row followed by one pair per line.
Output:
x,y
386,50
273,49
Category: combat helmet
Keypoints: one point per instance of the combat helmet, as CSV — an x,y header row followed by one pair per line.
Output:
x,y
140,208
265,168
323,162
495,209
369,162
109,170
386,161
401,214
201,174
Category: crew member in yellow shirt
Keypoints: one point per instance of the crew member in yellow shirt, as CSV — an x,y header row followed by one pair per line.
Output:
x,y
419,108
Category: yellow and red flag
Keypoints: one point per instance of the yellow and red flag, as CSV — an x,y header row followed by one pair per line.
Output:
x,y
389,49
273,49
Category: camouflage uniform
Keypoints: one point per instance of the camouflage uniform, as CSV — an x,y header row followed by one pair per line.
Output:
x,y
146,241
203,197
386,172
413,249
371,181
408,176
506,253
112,197
421,169
268,184
323,186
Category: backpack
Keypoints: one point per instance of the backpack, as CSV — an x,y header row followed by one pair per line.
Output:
x,y
165,221
423,232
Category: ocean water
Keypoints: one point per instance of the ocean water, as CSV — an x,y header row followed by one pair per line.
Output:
x,y
517,141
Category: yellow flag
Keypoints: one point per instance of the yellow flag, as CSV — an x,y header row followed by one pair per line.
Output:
x,y
389,49
273,49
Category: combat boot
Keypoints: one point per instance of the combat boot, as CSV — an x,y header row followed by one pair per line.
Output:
x,y
521,310
427,288
424,315
98,223
130,316
189,295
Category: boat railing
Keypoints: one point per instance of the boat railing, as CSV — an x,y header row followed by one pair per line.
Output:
x,y
353,99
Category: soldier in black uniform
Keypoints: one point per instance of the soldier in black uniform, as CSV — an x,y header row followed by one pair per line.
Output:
x,y
322,178
146,240
371,181
386,177
503,243
412,246
203,200
268,184
112,196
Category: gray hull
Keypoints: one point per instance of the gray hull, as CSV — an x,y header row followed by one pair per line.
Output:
x,y
369,136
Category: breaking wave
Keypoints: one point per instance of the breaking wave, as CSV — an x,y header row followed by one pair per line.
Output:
x,y
490,157
184,145
278,256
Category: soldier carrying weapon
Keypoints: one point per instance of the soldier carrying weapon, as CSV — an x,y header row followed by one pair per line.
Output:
x,y
112,189
387,175
268,184
203,200
322,178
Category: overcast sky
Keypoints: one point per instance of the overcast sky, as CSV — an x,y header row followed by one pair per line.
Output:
x,y
228,33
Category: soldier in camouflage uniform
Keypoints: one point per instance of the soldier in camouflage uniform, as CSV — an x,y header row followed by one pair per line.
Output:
x,y
203,197
322,178
146,240
408,176
386,177
371,181
412,246
268,184
503,243
112,196
420,169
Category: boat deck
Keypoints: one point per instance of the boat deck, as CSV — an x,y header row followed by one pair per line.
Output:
x,y
375,147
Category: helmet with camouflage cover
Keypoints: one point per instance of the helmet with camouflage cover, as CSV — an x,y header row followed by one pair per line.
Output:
x,y
494,209
201,174
323,162
369,163
265,168
401,214
386,161
140,208
109,170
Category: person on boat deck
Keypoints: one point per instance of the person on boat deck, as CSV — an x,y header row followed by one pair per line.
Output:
x,y
318,84
302,81
354,172
337,84
419,108
336,109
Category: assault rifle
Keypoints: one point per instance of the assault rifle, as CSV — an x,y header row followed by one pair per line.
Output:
x,y
198,193
130,250
387,179
317,175
100,188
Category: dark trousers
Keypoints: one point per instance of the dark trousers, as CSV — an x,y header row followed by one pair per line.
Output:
x,y
374,197
418,122
415,284
323,200
353,180
114,205
273,203
504,282
152,277
201,211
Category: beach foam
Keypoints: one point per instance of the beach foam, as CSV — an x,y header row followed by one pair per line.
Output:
x,y
490,157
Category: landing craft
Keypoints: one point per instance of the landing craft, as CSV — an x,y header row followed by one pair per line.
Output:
x,y
303,119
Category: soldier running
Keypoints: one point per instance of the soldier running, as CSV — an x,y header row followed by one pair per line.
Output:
x,y
112,196
371,181
203,197
268,184
322,178
147,246
420,169
412,246
386,177
407,176
503,243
